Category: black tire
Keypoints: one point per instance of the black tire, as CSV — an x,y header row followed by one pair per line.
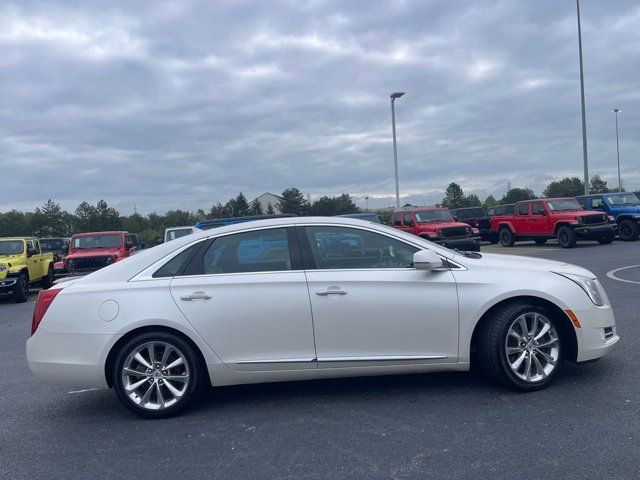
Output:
x,y
507,239
491,348
566,237
493,240
540,241
606,239
21,289
197,373
47,280
628,230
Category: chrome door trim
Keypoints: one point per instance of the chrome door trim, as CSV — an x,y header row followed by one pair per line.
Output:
x,y
379,358
277,360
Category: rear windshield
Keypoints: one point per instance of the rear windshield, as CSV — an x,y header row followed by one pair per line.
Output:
x,y
433,216
97,241
469,213
180,232
51,244
561,205
11,247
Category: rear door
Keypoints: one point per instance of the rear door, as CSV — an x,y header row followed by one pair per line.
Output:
x,y
246,293
522,219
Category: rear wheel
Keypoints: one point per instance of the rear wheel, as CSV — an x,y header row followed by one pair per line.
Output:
x,y
21,289
628,230
507,238
566,237
540,241
521,347
157,374
47,280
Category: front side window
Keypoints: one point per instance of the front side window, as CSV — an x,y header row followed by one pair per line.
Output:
x,y
596,203
97,241
397,219
11,247
523,209
407,220
351,248
257,251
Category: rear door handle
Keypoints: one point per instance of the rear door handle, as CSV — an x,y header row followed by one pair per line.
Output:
x,y
331,291
196,296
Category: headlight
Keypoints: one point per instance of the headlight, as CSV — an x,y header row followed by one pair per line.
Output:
x,y
71,263
591,287
2,268
108,260
580,220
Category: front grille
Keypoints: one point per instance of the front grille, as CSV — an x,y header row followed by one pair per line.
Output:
x,y
484,223
89,263
608,333
595,219
454,232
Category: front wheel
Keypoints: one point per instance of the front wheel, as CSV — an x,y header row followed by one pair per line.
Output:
x,y
566,237
521,347
21,289
606,239
157,374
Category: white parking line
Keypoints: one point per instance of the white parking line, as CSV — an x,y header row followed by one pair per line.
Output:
x,y
82,391
612,274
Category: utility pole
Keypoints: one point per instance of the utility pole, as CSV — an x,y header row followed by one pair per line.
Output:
x,y
584,121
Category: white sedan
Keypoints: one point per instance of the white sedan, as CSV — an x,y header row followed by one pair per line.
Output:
x,y
307,298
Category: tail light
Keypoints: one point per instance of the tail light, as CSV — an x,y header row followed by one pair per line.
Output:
x,y
45,297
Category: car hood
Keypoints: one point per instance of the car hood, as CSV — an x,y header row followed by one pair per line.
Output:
x,y
516,262
5,259
619,210
94,252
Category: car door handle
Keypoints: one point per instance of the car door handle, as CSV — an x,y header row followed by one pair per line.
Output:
x,y
331,291
196,296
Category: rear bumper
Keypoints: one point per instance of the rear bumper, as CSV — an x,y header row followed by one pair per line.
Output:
x,y
588,232
75,360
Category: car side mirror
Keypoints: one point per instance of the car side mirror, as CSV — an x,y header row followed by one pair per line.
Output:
x,y
426,260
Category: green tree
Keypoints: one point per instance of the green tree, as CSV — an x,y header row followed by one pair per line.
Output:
x,y
516,194
454,196
50,220
565,187
345,204
270,209
489,202
239,206
219,211
256,208
598,185
86,218
108,217
472,200
293,202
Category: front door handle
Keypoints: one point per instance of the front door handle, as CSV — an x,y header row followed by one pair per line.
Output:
x,y
331,291
196,296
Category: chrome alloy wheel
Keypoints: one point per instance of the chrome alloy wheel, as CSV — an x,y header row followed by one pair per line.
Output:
x,y
532,347
155,375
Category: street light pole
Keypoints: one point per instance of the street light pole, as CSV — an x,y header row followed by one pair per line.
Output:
x,y
584,121
395,95
616,111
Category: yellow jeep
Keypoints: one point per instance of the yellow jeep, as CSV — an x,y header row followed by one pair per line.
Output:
x,y
23,264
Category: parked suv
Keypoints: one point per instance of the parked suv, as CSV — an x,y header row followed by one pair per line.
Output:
x,y
623,207
475,217
437,225
561,218
55,246
89,252
22,264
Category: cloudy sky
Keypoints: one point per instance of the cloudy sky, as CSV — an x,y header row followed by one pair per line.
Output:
x,y
181,104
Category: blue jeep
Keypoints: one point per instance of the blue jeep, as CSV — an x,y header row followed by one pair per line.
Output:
x,y
623,206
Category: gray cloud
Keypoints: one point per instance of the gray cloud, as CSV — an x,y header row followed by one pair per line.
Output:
x,y
183,104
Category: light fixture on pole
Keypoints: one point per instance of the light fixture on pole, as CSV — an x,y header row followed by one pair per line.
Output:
x,y
616,111
584,121
395,95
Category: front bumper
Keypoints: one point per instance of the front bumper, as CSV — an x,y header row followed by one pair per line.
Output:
x,y
593,232
592,341
7,284
465,243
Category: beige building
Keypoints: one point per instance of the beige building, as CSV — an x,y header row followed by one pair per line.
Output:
x,y
269,198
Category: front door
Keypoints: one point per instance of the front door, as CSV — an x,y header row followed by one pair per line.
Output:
x,y
370,306
248,298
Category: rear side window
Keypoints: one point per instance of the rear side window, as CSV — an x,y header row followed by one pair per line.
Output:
x,y
538,209
257,251
397,219
177,264
523,209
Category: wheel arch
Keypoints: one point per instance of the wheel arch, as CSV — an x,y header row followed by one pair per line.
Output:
x,y
111,356
508,225
557,226
568,335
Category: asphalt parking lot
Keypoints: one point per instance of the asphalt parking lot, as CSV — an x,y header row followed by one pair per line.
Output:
x,y
454,425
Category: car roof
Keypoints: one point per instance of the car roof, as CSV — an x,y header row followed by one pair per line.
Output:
x,y
18,238
108,232
419,209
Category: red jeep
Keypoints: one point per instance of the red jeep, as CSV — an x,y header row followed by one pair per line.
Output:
x,y
437,225
88,252
561,218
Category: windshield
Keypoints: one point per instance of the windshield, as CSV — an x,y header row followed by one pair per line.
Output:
x,y
622,199
433,216
180,232
560,205
96,241
51,245
469,213
11,247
